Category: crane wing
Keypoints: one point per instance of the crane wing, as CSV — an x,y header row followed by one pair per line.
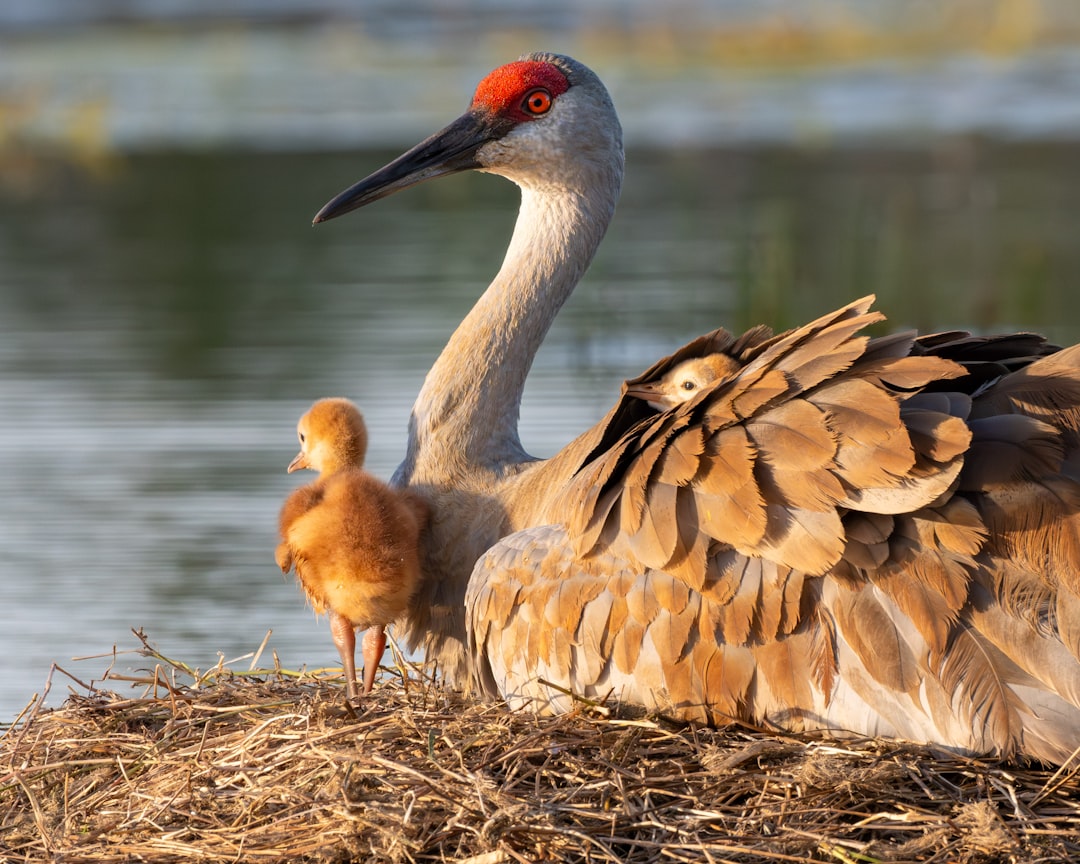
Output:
x,y
767,462
840,535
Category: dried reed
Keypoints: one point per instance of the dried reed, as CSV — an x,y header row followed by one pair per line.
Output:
x,y
271,766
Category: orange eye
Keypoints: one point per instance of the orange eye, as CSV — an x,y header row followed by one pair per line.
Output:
x,y
537,102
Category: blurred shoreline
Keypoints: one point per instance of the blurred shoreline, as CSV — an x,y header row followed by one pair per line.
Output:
x,y
285,77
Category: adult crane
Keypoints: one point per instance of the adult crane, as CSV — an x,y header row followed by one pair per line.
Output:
x,y
873,535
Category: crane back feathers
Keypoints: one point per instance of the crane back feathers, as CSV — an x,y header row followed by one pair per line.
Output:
x,y
879,535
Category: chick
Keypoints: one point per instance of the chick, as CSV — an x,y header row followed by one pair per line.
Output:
x,y
353,541
684,380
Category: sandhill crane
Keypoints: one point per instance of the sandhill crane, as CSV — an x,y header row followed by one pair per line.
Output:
x,y
353,540
684,380
878,536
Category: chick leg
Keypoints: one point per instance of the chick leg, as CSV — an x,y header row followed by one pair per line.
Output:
x,y
345,639
373,646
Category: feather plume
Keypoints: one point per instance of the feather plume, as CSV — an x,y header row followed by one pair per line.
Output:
x,y
978,675
784,670
865,625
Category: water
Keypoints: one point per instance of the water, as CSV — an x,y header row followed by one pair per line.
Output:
x,y
284,75
165,319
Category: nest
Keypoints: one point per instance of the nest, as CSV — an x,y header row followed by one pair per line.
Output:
x,y
272,766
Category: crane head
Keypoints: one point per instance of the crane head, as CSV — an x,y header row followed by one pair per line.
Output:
x,y
534,116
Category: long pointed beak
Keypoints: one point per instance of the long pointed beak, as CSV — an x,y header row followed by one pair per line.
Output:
x,y
447,152
642,391
650,393
298,463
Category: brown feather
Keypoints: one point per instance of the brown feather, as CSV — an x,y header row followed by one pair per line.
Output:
x,y
784,668
725,673
867,536
803,539
824,670
616,622
1048,389
774,579
1068,620
1010,448
626,645
729,503
1036,526
954,526
688,562
679,461
669,633
753,393
590,656
912,588
873,448
868,628
670,593
908,373
641,603
791,608
822,348
737,615
655,541
936,435
978,676
794,435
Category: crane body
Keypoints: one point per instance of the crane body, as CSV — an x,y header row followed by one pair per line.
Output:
x,y
873,535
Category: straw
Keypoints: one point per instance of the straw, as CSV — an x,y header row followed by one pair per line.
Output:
x,y
268,765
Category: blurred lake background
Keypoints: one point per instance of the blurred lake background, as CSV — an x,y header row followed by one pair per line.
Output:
x,y
167,312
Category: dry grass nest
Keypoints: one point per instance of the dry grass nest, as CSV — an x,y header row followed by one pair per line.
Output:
x,y
271,765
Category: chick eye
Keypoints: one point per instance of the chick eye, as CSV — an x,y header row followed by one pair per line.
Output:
x,y
301,434
688,385
537,102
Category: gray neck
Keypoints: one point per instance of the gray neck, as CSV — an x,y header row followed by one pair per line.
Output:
x,y
465,419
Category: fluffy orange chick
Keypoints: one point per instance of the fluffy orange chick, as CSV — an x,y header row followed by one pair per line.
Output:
x,y
353,541
685,380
